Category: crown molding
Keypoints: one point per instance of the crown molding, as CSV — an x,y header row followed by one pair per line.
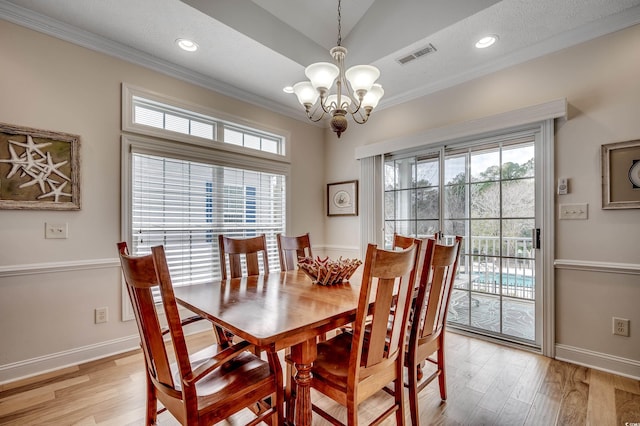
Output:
x,y
43,24
584,33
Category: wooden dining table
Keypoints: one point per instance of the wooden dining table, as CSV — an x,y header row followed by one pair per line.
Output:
x,y
277,311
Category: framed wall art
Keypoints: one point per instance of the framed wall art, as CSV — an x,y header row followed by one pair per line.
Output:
x,y
621,175
342,198
39,169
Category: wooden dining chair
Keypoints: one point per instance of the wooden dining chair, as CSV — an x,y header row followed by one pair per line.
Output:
x,y
201,388
292,248
235,248
426,336
353,366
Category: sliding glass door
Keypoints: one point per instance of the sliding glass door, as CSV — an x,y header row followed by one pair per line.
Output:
x,y
486,192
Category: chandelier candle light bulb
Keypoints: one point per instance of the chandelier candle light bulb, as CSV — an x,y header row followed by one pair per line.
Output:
x,y
357,93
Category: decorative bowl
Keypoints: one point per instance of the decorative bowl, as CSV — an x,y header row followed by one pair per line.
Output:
x,y
326,271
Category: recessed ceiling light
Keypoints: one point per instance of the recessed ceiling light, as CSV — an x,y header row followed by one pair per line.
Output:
x,y
288,89
186,44
486,41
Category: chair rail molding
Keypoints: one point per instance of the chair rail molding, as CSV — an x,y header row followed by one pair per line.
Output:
x,y
596,266
54,267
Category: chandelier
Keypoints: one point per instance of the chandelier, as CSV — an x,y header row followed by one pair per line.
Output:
x,y
356,92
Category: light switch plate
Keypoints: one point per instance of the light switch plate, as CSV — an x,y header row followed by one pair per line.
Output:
x,y
574,211
56,230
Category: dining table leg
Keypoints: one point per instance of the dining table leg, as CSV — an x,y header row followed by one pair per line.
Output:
x,y
303,355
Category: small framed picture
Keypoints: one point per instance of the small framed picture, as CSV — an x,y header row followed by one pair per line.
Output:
x,y
621,175
342,198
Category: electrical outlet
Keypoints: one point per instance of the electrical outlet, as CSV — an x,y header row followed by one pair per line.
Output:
x,y
101,315
621,327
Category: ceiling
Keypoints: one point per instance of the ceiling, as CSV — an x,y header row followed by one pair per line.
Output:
x,y
251,50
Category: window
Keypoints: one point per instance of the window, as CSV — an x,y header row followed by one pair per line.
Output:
x,y
247,139
154,115
182,186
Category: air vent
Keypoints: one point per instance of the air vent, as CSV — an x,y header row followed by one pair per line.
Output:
x,y
430,48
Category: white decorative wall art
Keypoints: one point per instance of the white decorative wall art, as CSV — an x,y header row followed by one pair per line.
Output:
x,y
342,198
621,175
39,169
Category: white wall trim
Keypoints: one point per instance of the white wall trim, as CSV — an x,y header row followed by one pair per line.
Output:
x,y
25,369
56,361
330,247
471,128
594,266
54,267
599,361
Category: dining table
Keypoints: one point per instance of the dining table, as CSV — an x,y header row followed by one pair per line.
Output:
x,y
277,311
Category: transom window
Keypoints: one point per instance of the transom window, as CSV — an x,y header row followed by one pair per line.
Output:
x,y
150,114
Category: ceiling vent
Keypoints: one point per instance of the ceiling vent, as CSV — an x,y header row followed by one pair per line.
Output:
x,y
430,48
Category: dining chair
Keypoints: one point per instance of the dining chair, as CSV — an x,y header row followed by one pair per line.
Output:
x,y
234,248
292,248
352,366
426,336
199,388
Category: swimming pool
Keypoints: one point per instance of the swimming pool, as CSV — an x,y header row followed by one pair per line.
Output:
x,y
507,279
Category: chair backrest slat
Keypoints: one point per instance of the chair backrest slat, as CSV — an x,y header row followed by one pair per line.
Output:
x,y
403,241
292,248
253,249
435,290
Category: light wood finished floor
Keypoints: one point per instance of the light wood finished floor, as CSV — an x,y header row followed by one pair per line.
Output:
x,y
488,385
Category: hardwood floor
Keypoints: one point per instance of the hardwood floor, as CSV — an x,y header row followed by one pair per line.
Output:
x,y
488,384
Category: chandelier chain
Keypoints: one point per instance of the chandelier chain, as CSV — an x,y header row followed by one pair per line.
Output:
x,y
339,22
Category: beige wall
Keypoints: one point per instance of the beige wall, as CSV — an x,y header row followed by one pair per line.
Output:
x,y
600,81
50,84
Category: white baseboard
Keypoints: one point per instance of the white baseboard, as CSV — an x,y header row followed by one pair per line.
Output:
x,y
599,361
29,368
57,361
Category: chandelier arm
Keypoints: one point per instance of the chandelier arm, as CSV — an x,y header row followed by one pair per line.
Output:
x,y
311,114
322,104
364,117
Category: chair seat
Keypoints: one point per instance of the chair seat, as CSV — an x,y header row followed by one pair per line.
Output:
x,y
236,375
332,362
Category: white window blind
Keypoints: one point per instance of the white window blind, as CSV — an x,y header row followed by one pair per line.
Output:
x,y
185,205
162,116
